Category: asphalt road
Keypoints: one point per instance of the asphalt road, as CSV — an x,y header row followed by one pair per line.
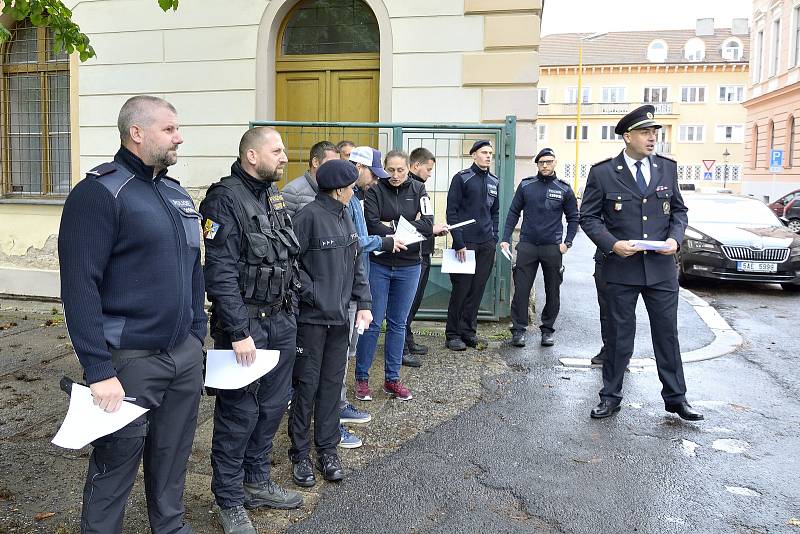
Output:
x,y
532,460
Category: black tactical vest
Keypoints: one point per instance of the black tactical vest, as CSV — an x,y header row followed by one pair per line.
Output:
x,y
268,270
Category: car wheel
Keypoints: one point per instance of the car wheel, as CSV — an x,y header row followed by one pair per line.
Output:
x,y
791,287
794,225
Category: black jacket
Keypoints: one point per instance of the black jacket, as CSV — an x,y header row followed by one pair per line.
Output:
x,y
383,206
427,246
223,244
545,201
473,195
331,269
613,209
129,249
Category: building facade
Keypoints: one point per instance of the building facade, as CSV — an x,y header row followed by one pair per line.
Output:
x,y
773,100
695,79
225,64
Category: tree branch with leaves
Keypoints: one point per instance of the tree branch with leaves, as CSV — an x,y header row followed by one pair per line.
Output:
x,y
55,15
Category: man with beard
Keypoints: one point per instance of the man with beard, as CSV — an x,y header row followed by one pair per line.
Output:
x,y
251,280
132,288
545,199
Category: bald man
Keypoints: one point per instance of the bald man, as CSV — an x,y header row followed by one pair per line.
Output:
x,y
132,288
250,272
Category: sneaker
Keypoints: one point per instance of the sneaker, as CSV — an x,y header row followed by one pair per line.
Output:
x,y
351,414
235,521
419,350
271,495
397,390
411,360
455,344
363,392
348,440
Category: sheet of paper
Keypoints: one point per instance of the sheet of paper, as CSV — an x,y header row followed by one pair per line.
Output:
x,y
450,263
224,372
507,254
649,245
463,223
86,422
406,233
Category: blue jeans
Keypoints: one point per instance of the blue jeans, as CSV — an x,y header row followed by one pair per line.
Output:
x,y
393,290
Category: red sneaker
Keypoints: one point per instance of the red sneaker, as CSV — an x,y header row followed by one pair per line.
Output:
x,y
397,390
362,390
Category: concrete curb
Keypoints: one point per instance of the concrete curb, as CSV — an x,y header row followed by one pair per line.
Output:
x,y
726,339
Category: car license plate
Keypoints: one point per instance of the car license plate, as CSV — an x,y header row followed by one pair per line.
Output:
x,y
756,267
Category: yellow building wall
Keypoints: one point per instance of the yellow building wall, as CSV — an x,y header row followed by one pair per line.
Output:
x,y
555,115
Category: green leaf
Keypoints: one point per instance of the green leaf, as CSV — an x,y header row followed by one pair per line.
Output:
x,y
5,35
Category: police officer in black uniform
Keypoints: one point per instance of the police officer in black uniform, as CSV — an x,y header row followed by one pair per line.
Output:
x,y
545,199
635,196
472,195
252,283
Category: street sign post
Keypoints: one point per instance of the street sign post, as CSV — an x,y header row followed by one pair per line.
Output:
x,y
776,160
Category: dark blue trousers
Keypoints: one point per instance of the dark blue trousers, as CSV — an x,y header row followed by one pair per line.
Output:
x,y
246,420
661,301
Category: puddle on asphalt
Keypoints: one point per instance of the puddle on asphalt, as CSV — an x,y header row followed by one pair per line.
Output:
x,y
732,446
689,448
742,492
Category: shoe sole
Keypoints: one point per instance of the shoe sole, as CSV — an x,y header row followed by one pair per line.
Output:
x,y
392,395
350,445
701,418
253,504
419,352
548,343
612,412
364,398
457,349
303,484
518,345
405,364
367,419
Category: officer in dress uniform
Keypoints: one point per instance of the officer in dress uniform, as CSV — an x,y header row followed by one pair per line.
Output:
x,y
545,199
252,283
472,195
635,196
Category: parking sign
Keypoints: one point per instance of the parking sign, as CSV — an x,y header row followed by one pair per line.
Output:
x,y
775,160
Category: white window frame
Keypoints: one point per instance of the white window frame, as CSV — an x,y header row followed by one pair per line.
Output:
x,y
737,133
683,130
663,91
651,51
541,132
697,88
736,88
692,57
606,91
758,57
726,47
795,37
607,133
543,96
571,128
775,49
587,94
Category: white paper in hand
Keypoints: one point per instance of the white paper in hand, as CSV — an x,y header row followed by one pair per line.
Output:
x,y
507,253
644,244
86,422
450,263
224,372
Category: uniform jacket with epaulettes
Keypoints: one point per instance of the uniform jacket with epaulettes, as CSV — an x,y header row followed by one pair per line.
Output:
x,y
613,209
473,194
129,252
545,200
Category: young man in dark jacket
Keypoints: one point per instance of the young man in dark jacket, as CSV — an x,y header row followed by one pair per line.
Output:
x,y
331,275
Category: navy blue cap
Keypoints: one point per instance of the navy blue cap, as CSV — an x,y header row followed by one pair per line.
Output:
x,y
544,152
336,173
479,144
640,118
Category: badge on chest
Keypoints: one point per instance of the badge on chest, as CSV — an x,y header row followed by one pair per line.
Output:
x,y
666,207
555,194
492,190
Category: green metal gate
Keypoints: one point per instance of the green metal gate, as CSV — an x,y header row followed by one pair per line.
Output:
x,y
450,144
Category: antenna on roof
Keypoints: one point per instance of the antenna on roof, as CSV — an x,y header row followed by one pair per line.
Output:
x,y
593,36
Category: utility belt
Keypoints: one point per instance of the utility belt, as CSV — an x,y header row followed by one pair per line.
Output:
x,y
263,311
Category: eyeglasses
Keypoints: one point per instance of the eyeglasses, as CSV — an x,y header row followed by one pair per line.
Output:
x,y
546,162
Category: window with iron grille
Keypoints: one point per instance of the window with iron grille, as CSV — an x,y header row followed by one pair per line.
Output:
x,y
35,124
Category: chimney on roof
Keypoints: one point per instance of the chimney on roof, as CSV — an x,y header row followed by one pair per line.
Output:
x,y
740,27
704,27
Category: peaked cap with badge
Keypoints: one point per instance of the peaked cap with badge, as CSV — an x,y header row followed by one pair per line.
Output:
x,y
638,119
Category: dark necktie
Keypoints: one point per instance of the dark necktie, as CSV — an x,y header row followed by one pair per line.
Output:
x,y
640,177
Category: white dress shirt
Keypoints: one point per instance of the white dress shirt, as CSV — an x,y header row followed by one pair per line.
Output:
x,y
631,163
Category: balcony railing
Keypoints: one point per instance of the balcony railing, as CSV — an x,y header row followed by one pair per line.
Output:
x,y
604,108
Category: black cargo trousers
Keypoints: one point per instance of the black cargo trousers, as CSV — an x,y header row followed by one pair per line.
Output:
x,y
168,383
246,419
